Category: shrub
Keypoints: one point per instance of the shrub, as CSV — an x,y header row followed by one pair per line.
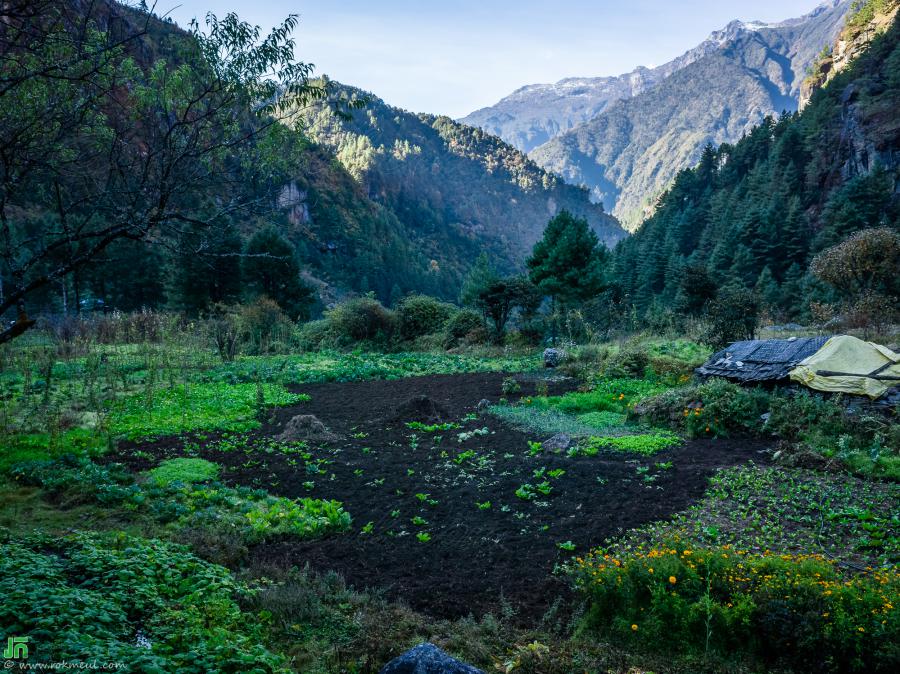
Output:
x,y
315,335
264,328
714,408
363,319
792,416
865,442
796,609
630,361
184,470
419,315
465,326
733,316
510,386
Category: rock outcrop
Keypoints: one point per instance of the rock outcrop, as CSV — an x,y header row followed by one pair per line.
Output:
x,y
853,40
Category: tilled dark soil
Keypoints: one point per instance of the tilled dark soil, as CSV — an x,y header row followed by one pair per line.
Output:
x,y
474,556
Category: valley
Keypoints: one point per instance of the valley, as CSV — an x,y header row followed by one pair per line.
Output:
x,y
600,379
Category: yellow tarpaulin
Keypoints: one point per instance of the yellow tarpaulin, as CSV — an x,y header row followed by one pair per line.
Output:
x,y
849,365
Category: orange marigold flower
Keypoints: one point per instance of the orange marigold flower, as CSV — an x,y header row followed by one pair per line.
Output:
x,y
673,579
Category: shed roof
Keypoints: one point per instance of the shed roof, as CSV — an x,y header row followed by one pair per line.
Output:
x,y
760,359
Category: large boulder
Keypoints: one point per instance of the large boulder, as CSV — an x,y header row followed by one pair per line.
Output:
x,y
427,659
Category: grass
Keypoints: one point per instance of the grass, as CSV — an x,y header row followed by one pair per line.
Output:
x,y
331,366
185,471
51,406
548,421
642,443
601,411
194,407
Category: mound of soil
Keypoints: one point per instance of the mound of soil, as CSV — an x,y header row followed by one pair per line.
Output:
x,y
306,427
419,408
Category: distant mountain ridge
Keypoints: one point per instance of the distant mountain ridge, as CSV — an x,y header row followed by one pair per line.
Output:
x,y
626,137
535,113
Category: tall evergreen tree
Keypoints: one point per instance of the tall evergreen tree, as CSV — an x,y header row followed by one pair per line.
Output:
x,y
208,268
271,269
568,262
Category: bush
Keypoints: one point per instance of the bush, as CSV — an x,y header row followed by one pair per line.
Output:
x,y
264,328
798,610
465,326
865,442
714,408
419,315
363,319
629,361
733,316
315,335
792,416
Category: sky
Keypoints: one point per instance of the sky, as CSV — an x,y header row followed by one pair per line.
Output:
x,y
454,56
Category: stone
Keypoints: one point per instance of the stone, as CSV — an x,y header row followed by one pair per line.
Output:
x,y
427,658
306,427
558,442
553,357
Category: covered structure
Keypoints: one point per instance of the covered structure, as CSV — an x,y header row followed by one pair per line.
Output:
x,y
846,364
761,360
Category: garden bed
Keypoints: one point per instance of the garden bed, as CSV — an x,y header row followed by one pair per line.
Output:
x,y
438,522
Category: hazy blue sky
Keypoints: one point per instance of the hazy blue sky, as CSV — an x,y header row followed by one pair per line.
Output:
x,y
454,56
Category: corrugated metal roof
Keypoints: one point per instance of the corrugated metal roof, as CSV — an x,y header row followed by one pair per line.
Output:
x,y
760,359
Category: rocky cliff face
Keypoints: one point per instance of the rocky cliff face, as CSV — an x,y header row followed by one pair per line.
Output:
x,y
869,21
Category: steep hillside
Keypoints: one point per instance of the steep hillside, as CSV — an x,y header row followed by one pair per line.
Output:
x,y
868,20
407,207
629,153
449,182
536,113
754,213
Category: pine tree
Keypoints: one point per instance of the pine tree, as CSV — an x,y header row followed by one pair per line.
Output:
x,y
480,276
568,262
767,290
271,269
208,269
